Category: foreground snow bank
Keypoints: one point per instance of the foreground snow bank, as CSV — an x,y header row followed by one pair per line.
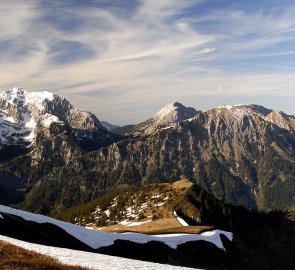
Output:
x,y
90,260
96,239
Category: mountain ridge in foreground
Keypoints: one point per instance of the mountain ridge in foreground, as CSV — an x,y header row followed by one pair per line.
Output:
x,y
260,240
167,248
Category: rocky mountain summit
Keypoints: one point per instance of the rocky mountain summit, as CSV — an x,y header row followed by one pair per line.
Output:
x,y
24,115
238,112
168,116
41,131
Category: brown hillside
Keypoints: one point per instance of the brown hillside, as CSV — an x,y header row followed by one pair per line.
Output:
x,y
159,212
16,258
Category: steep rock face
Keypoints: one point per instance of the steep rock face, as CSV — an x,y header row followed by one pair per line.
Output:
x,y
233,152
23,113
282,120
55,146
169,115
39,132
279,119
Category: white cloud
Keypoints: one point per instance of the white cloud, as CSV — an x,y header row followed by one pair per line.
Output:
x,y
16,17
156,54
154,12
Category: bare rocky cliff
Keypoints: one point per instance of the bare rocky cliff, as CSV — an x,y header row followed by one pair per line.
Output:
x,y
236,153
40,131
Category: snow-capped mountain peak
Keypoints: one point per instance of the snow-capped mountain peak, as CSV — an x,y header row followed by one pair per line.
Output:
x,y
22,113
170,114
48,119
168,109
18,96
245,109
235,117
236,113
20,110
13,96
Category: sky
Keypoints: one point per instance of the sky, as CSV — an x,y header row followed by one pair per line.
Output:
x,y
125,59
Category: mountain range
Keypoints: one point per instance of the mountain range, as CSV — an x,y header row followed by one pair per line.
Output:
x,y
189,188
54,156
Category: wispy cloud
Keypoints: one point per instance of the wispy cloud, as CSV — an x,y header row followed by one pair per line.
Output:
x,y
108,56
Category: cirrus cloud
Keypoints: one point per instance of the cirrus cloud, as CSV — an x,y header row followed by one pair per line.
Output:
x,y
112,57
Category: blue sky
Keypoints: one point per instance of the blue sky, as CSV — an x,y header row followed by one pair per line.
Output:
x,y
125,59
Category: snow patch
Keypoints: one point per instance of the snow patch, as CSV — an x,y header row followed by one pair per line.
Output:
x,y
107,212
96,239
39,96
214,236
155,196
49,119
166,110
159,204
180,220
124,222
29,122
131,224
190,119
91,260
9,119
228,107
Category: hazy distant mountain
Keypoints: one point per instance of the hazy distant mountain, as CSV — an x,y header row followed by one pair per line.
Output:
x,y
119,130
109,126
124,130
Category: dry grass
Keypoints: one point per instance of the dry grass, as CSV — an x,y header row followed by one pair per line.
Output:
x,y
188,229
166,219
160,226
167,223
149,227
16,258
182,184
